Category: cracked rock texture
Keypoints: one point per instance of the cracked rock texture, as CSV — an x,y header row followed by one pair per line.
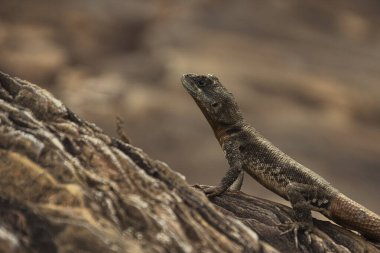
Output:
x,y
65,186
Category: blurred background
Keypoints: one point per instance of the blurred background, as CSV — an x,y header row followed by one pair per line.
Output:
x,y
306,74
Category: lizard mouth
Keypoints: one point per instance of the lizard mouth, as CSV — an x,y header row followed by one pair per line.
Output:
x,y
189,84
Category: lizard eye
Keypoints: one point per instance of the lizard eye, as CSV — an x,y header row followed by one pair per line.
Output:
x,y
202,82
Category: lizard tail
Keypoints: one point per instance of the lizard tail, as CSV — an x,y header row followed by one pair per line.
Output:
x,y
350,214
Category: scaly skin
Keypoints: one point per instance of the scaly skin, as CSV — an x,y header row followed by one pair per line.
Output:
x,y
247,151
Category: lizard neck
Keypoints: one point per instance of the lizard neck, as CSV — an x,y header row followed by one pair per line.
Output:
x,y
228,122
223,132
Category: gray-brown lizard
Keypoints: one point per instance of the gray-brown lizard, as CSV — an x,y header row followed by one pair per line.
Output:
x,y
247,151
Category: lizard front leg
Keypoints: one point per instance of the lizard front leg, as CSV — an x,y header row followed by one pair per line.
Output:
x,y
236,186
233,178
298,195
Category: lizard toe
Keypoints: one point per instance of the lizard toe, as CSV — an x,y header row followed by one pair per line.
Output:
x,y
296,227
214,191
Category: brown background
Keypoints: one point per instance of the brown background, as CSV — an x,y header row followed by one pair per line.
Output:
x,y
305,73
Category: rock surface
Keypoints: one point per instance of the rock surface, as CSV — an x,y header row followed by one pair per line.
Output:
x,y
65,186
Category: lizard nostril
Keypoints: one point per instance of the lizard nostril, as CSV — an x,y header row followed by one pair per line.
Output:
x,y
215,104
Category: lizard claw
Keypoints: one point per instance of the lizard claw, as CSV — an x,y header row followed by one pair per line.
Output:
x,y
308,235
295,227
214,191
197,186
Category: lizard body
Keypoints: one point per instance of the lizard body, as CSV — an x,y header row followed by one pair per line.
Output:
x,y
247,151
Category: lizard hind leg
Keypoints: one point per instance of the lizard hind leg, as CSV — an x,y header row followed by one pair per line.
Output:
x,y
302,212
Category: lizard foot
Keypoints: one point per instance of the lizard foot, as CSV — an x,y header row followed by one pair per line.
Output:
x,y
214,191
296,227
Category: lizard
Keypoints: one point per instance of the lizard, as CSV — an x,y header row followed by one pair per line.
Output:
x,y
247,151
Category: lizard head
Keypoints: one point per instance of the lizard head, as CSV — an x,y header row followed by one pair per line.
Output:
x,y
217,104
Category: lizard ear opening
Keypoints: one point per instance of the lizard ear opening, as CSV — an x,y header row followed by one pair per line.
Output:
x,y
216,107
215,104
